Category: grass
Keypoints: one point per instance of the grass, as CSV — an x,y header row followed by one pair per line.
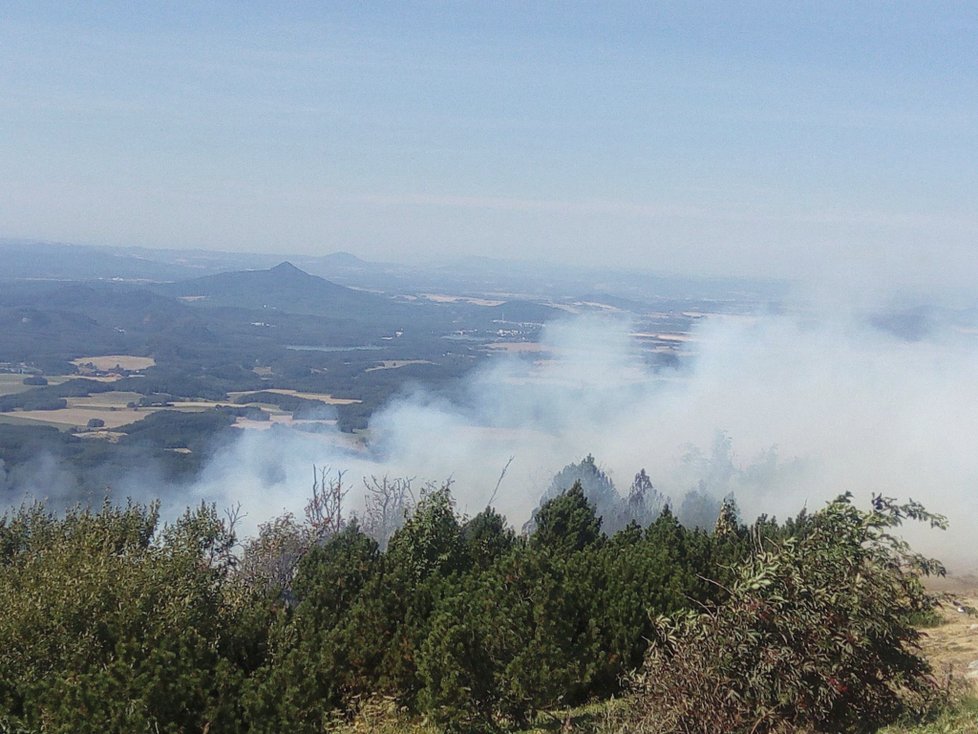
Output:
x,y
383,717
11,383
324,397
13,419
67,418
960,718
111,399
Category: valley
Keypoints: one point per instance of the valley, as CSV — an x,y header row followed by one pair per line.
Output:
x,y
120,358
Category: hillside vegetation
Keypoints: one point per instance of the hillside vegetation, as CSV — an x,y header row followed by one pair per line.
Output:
x,y
115,622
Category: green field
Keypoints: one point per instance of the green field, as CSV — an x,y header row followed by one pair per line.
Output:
x,y
10,384
14,419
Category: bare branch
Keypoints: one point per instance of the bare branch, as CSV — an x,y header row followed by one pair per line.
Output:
x,y
499,481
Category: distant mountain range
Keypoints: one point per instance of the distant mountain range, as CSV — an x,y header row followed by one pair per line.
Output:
x,y
467,275
28,259
23,259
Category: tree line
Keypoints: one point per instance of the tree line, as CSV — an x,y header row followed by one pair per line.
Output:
x,y
114,621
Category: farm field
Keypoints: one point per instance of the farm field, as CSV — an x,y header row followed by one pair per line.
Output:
x,y
112,399
114,408
446,298
393,364
11,384
78,416
111,407
109,362
515,347
324,397
17,419
279,419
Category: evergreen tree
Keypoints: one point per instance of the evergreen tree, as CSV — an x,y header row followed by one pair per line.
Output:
x,y
566,523
112,623
487,537
595,484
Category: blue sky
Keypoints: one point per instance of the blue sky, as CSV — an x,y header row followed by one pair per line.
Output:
x,y
834,141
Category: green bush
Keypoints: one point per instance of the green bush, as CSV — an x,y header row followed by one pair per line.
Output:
x,y
112,623
816,634
309,668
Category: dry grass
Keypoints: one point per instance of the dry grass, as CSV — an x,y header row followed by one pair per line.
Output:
x,y
952,646
382,716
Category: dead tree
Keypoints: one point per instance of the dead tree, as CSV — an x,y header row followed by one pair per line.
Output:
x,y
324,511
269,561
387,503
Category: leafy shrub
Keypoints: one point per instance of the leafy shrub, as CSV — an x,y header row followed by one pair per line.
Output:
x,y
816,634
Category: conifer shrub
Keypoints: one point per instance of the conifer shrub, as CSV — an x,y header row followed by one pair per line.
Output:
x,y
113,623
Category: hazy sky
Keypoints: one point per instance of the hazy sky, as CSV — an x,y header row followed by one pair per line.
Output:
x,y
777,138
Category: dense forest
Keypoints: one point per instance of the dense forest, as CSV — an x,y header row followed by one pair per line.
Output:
x,y
115,621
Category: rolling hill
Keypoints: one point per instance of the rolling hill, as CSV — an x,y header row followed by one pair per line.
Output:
x,y
284,288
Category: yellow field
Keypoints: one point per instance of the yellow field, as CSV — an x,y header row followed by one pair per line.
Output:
x,y
108,362
10,384
283,419
111,407
114,399
195,405
325,397
78,417
393,364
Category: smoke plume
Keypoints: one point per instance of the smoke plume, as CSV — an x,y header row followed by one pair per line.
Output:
x,y
782,411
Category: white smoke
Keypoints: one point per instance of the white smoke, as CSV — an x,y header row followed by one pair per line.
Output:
x,y
783,411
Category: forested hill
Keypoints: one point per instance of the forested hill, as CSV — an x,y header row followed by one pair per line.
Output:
x,y
285,288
